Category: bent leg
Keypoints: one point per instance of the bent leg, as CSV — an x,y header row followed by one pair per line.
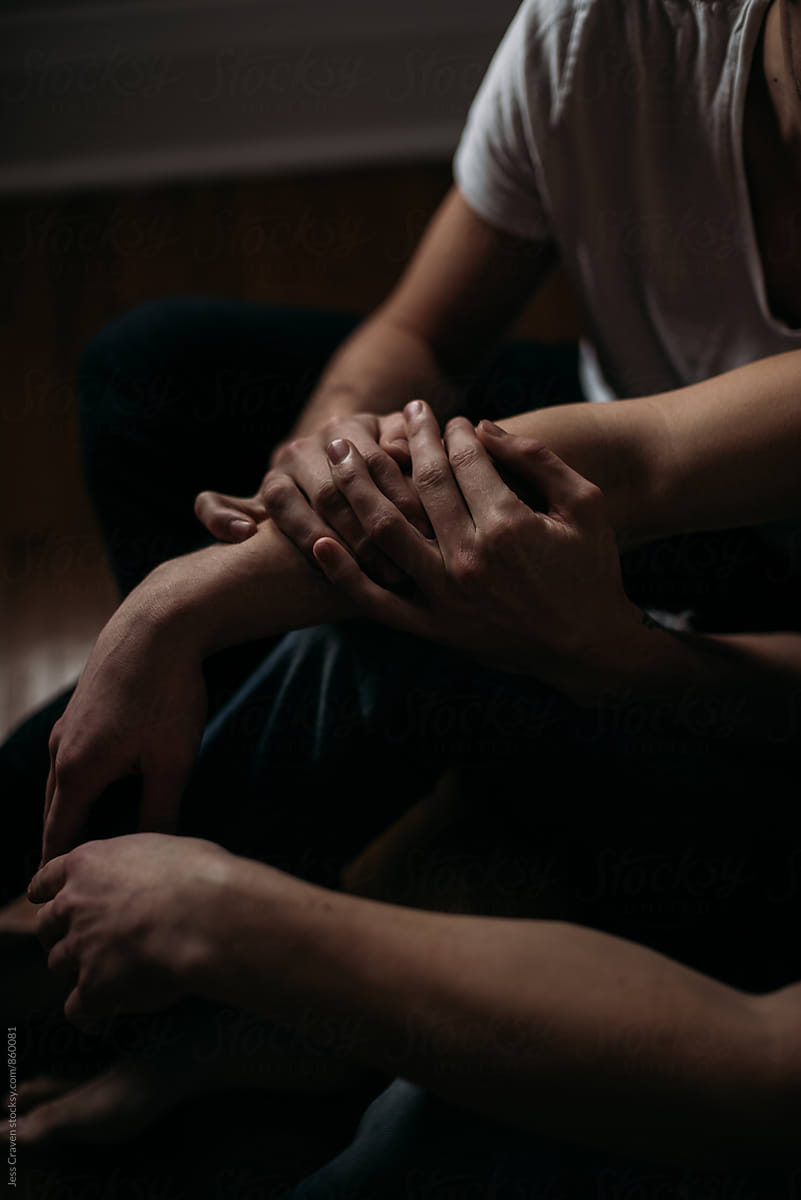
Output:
x,y
185,394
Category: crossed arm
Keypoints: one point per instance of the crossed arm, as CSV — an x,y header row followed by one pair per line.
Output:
x,y
719,453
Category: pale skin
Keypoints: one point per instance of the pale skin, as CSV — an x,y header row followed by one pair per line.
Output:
x,y
719,453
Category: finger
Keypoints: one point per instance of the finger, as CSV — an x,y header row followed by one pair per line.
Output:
x,y
391,480
48,881
61,961
229,518
50,786
381,521
36,1091
397,448
561,486
400,491
434,480
392,437
292,512
50,789
485,493
295,516
369,598
52,923
81,1013
48,1122
71,802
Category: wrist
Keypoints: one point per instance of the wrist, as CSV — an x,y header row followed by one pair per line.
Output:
x,y
169,605
620,663
252,917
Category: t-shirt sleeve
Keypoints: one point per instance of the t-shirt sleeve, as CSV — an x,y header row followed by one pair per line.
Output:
x,y
496,165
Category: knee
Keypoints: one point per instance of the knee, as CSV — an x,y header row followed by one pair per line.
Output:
x,y
127,380
134,348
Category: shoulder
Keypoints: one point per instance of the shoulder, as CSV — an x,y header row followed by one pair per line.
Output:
x,y
597,48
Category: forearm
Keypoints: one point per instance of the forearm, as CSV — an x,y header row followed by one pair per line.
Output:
x,y
561,1029
713,455
227,594
378,369
743,687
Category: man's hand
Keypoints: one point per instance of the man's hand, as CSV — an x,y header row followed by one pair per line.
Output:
x,y
297,491
524,591
125,920
139,709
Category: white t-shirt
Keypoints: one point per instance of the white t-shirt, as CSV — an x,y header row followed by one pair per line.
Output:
x,y
615,129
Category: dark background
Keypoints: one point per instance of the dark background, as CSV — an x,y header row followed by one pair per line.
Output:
x,y
263,151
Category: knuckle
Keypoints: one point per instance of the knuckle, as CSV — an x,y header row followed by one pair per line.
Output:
x,y
429,476
201,501
464,456
276,489
381,524
588,502
510,523
287,453
458,422
328,498
67,765
375,459
535,452
499,532
467,570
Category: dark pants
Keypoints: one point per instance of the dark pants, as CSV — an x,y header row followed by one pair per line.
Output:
x,y
319,739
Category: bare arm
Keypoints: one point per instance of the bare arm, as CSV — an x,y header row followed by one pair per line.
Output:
x,y
714,455
560,1029
462,289
551,1026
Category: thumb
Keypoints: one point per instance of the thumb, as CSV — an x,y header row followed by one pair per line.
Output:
x,y
229,518
392,438
559,484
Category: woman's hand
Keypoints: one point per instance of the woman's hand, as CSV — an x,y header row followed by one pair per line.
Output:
x,y
139,709
297,492
522,590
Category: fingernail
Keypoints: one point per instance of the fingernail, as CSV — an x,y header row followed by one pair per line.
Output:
x,y
491,427
241,529
414,408
325,554
337,450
